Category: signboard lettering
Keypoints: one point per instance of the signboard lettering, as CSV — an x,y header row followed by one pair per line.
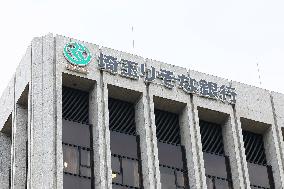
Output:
x,y
79,56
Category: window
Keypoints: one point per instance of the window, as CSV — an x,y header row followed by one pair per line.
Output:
x,y
260,173
171,153
217,167
77,140
124,143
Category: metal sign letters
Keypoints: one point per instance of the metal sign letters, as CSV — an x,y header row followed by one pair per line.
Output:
x,y
133,70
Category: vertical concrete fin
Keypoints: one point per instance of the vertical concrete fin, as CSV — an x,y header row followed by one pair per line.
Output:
x,y
19,142
197,146
277,145
42,109
143,129
153,141
5,160
96,115
106,133
234,150
241,149
186,141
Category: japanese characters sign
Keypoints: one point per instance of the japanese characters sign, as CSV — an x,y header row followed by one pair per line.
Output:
x,y
168,79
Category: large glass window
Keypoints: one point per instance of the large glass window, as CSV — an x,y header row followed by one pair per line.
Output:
x,y
77,140
260,174
124,144
217,167
171,153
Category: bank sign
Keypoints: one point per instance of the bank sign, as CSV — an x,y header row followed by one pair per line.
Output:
x,y
78,56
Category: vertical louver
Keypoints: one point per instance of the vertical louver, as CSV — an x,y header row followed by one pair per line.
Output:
x,y
167,127
75,105
254,148
211,138
121,116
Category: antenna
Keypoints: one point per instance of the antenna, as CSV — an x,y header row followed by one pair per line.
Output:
x,y
132,29
258,70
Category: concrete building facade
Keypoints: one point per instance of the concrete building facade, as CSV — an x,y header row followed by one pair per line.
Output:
x,y
230,135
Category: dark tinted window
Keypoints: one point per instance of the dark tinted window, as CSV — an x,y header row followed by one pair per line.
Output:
x,y
124,144
72,182
76,137
171,154
217,167
260,174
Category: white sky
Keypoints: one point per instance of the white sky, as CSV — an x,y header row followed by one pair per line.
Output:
x,y
222,37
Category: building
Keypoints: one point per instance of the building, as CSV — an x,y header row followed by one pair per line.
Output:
x,y
79,116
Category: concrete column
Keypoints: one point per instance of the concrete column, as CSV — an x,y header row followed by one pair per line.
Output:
x,y
143,129
60,42
277,101
273,155
190,142
234,149
5,160
153,143
42,126
99,118
98,115
242,151
106,135
197,145
277,108
19,143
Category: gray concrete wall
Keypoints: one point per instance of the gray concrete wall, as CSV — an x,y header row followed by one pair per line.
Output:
x,y
15,87
42,164
277,101
5,160
19,148
8,104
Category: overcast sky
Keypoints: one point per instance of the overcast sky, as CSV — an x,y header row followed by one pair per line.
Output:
x,y
222,37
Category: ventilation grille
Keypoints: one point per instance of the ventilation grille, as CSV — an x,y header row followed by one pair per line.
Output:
x,y
255,152
211,138
75,105
121,116
167,127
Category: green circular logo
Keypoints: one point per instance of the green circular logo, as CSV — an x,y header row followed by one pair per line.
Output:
x,y
77,54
